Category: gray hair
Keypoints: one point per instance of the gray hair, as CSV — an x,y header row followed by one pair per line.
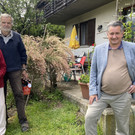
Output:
x,y
114,24
6,15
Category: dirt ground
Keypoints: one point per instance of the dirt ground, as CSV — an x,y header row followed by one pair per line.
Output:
x,y
67,85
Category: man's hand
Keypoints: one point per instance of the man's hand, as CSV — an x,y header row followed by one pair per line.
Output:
x,y
24,75
92,98
24,72
132,89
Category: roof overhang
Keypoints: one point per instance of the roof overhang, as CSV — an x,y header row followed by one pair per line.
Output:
x,y
75,9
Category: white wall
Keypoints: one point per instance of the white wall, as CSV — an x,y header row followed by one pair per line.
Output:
x,y
103,16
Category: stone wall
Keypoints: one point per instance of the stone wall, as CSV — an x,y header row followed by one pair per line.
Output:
x,y
107,121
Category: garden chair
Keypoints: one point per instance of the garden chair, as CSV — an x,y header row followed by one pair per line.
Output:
x,y
78,67
81,64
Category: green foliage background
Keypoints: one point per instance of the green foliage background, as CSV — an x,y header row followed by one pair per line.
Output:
x,y
28,20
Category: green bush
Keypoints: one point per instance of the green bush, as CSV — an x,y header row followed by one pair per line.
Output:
x,y
84,78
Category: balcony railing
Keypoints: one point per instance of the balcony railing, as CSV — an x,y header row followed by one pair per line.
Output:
x,y
55,5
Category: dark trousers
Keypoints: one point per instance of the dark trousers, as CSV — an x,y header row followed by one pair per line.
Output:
x,y
16,85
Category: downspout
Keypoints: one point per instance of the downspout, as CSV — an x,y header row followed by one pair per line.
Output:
x,y
117,2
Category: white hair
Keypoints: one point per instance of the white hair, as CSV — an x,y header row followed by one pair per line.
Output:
x,y
6,15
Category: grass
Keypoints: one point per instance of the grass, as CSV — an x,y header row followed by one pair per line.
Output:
x,y
52,115
59,118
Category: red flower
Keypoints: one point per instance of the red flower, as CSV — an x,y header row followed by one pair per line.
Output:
x,y
93,44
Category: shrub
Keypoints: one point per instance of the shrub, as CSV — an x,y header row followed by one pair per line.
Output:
x,y
47,60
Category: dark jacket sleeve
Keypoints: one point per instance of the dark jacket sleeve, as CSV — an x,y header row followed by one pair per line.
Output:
x,y
2,65
22,51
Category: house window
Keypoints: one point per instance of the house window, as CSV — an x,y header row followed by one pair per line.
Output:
x,y
83,30
87,32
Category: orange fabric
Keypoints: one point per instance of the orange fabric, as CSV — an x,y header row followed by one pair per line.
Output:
x,y
81,63
83,60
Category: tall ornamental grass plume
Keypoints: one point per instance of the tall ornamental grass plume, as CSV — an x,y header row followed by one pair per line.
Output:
x,y
47,58
36,63
56,55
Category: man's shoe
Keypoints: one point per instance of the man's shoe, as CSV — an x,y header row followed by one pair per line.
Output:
x,y
24,126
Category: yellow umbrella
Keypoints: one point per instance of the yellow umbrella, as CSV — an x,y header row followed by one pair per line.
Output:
x,y
74,42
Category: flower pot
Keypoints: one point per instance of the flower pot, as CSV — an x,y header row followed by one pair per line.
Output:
x,y
85,90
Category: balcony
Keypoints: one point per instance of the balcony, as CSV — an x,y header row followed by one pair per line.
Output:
x,y
55,5
60,11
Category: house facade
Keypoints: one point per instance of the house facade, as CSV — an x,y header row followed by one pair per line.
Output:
x,y
89,17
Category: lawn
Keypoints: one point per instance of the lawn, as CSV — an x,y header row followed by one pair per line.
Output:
x,y
57,118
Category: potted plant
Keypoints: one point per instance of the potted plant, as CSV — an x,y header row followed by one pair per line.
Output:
x,y
85,78
84,84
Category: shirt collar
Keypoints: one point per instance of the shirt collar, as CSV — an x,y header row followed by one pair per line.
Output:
x,y
120,47
10,34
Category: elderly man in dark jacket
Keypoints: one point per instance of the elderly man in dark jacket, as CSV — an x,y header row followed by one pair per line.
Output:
x,y
15,56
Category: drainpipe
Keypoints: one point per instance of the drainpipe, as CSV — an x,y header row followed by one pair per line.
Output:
x,y
117,2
